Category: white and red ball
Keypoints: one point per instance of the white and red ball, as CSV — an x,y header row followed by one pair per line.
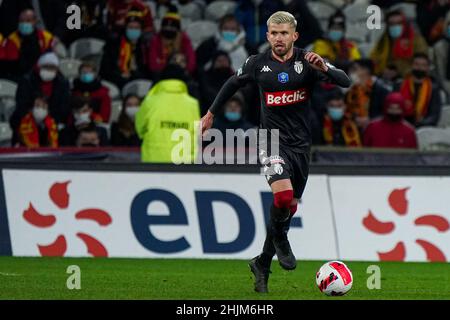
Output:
x,y
334,278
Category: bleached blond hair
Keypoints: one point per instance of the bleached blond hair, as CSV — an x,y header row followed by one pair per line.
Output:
x,y
280,17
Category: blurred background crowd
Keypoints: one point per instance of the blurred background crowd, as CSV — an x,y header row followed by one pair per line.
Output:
x,y
90,87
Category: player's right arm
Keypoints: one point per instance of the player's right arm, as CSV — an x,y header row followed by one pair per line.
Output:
x,y
244,75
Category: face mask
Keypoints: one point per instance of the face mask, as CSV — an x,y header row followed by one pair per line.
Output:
x,y
47,75
394,117
229,36
87,77
133,34
39,113
26,28
335,114
169,34
355,78
420,74
131,111
395,31
232,116
335,35
82,118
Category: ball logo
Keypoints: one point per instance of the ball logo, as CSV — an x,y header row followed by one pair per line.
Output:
x,y
399,204
60,197
283,77
283,98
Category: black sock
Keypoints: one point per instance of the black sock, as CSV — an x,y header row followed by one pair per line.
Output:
x,y
278,224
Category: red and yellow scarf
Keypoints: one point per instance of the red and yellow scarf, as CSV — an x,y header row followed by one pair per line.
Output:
x,y
358,99
349,132
29,133
422,98
125,55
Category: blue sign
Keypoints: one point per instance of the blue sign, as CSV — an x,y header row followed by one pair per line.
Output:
x,y
283,77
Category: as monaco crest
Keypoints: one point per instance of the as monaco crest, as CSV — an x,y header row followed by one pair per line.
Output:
x,y
298,67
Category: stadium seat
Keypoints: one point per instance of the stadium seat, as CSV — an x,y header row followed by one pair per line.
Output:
x,y
192,11
409,9
199,31
433,139
357,12
7,99
139,87
356,33
87,49
365,48
60,50
5,134
114,92
69,68
217,9
321,10
116,108
444,120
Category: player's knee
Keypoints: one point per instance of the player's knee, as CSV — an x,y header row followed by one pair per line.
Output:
x,y
283,199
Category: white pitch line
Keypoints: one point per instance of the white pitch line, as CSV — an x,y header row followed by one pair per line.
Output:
x,y
9,274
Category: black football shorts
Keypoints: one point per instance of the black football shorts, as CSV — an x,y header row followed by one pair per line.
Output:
x,y
288,165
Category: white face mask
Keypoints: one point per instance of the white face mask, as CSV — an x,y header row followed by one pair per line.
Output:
x,y
82,118
39,114
47,75
131,111
355,78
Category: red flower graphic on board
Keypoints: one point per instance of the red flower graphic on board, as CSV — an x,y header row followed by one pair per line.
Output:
x,y
399,204
60,197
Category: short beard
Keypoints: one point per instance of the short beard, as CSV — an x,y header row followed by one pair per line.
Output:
x,y
281,54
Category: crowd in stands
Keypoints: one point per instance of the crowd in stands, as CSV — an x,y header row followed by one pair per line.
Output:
x,y
67,97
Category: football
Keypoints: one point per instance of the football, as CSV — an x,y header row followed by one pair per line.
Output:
x,y
334,278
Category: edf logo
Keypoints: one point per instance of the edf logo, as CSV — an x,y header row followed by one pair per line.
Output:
x,y
283,77
142,220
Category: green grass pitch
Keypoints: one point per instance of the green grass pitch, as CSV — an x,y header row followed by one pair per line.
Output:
x,y
45,278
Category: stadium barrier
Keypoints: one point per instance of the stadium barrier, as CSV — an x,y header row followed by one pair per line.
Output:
x,y
134,210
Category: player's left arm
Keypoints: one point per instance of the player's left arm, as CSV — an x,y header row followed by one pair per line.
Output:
x,y
327,70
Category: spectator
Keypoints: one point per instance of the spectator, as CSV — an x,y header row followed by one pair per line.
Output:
x,y
89,86
168,41
180,60
124,54
423,101
37,128
338,127
441,52
335,47
123,132
391,77
167,107
231,39
252,15
92,22
366,96
82,117
212,80
431,18
88,136
51,15
118,11
9,14
398,44
45,80
26,44
391,130
233,116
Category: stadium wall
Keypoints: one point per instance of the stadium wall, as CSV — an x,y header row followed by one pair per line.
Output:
x,y
119,210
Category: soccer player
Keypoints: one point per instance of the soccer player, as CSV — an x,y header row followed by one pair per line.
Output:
x,y
285,76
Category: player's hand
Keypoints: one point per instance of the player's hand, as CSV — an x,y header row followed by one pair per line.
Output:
x,y
316,61
206,123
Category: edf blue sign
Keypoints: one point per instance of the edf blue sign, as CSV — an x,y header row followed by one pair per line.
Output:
x,y
141,220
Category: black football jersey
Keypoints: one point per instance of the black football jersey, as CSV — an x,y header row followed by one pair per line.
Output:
x,y
285,94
